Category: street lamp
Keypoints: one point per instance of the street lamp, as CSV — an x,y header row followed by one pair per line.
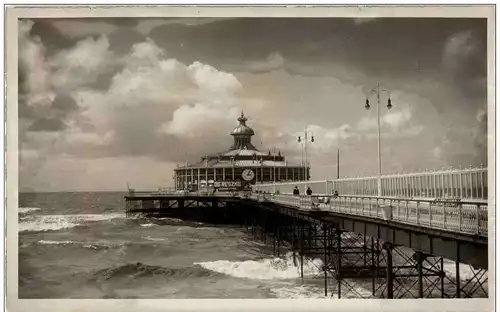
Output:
x,y
306,133
377,90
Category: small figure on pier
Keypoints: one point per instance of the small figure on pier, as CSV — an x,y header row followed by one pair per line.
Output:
x,y
335,194
296,191
309,191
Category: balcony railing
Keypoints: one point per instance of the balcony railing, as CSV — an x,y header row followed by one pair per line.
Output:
x,y
446,184
451,215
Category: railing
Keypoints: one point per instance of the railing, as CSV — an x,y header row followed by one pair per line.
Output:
x,y
464,184
183,193
457,216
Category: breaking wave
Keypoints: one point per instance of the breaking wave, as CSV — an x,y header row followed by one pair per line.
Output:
x,y
137,270
264,269
149,225
154,239
24,210
98,245
41,223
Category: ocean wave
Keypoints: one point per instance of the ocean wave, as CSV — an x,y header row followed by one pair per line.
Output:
x,y
41,223
137,270
466,271
149,225
176,220
264,269
95,245
152,238
170,219
23,210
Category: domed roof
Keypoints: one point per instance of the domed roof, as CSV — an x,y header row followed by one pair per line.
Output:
x,y
242,128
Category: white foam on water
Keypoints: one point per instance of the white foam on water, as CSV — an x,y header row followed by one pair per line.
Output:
x,y
95,245
149,225
170,219
49,242
466,271
264,269
299,292
23,210
153,238
58,222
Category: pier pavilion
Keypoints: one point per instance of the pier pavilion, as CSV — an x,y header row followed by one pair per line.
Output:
x,y
239,167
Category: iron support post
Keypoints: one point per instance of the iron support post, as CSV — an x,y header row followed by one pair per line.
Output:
x,y
390,282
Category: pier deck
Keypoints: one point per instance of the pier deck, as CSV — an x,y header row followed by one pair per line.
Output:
x,y
352,245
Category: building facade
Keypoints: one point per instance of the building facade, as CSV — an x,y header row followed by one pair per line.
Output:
x,y
239,167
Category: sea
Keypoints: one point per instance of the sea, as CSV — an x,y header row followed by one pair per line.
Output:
x,y
81,245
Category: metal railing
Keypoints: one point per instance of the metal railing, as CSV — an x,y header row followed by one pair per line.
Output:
x,y
183,193
450,184
451,215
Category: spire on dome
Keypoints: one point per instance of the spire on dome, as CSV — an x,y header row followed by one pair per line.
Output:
x,y
242,118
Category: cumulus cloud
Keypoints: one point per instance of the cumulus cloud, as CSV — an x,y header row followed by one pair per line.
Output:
x,y
152,102
394,119
46,83
397,119
210,79
148,77
194,121
81,64
32,61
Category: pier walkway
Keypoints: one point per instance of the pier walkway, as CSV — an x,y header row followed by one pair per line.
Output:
x,y
452,225
459,216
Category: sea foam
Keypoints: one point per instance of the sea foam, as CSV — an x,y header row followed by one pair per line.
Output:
x,y
466,271
94,245
154,239
23,210
40,223
149,225
264,269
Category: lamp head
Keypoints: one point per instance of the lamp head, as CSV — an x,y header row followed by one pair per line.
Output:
x,y
298,140
389,105
367,105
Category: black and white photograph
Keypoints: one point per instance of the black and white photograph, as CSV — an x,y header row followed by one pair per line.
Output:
x,y
254,156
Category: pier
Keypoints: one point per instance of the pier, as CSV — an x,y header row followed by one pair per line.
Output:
x,y
397,243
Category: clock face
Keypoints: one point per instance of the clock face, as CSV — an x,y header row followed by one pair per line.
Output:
x,y
248,174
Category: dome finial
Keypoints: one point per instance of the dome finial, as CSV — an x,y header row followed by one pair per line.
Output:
x,y
242,118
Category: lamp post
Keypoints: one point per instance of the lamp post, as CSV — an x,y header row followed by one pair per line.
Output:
x,y
377,91
306,133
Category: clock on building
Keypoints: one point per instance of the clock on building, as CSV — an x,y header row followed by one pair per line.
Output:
x,y
248,175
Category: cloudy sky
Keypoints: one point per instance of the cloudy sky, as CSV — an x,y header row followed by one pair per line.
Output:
x,y
103,102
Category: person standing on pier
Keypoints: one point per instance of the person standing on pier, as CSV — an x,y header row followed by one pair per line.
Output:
x,y
296,191
309,191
